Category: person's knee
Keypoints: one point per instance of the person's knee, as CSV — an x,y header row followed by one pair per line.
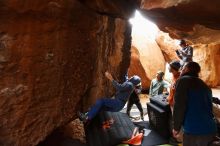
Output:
x,y
99,101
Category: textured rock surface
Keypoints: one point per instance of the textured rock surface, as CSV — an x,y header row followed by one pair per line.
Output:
x,y
151,58
75,130
194,20
114,8
167,46
53,55
199,34
208,56
136,68
183,14
52,58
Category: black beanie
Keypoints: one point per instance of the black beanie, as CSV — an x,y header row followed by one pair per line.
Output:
x,y
175,65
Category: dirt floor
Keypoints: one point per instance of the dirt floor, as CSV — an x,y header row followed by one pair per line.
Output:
x,y
216,92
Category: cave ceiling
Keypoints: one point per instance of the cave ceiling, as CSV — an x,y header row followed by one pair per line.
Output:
x,y
182,15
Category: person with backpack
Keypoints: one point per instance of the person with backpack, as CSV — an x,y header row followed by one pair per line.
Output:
x,y
193,108
134,99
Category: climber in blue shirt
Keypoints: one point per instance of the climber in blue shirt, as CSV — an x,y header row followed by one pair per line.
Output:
x,y
123,92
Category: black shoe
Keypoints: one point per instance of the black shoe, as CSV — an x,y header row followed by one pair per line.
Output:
x,y
83,117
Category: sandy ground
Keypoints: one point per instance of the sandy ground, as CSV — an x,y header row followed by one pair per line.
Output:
x,y
144,99
216,92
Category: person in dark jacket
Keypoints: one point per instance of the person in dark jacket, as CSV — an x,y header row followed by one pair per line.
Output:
x,y
185,54
134,99
123,92
193,108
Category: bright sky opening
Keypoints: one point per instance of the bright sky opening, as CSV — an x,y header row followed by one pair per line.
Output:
x,y
142,26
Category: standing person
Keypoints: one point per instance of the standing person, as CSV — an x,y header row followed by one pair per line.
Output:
x,y
174,68
158,84
123,92
193,108
185,54
134,99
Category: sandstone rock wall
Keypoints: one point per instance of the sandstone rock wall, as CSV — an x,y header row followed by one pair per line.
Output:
x,y
194,20
167,46
182,14
208,57
114,8
150,59
53,55
113,54
136,68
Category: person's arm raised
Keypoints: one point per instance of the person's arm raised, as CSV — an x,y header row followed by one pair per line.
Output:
x,y
108,76
118,86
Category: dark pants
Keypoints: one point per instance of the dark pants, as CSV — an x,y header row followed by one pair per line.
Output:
x,y
134,99
197,140
105,104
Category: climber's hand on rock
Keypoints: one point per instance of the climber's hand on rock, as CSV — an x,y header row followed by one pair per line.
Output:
x,y
108,76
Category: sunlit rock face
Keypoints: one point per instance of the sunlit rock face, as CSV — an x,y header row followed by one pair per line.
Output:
x,y
167,46
208,56
193,20
150,55
136,68
151,58
150,4
53,56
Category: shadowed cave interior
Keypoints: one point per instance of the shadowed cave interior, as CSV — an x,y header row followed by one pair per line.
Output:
x,y
53,55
